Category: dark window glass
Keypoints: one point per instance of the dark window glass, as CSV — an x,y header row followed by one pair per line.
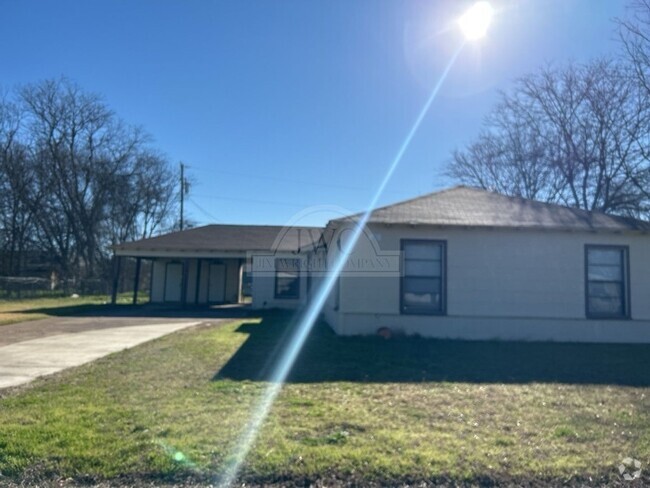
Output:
x,y
287,278
606,281
423,280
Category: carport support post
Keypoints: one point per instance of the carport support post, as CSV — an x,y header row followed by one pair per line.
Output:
x,y
198,281
184,280
136,281
117,261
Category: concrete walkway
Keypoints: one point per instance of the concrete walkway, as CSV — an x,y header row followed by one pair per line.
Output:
x,y
22,362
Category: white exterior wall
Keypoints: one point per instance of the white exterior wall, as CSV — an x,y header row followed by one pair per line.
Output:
x,y
502,284
319,261
263,283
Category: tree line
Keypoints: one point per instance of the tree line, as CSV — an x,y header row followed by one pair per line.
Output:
x,y
577,135
75,179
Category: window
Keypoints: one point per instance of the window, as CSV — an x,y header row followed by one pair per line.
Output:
x,y
287,278
423,277
606,281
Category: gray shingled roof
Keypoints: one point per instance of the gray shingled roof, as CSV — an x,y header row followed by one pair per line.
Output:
x,y
229,238
474,207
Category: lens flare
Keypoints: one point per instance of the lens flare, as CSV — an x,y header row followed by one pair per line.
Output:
x,y
313,310
178,456
475,22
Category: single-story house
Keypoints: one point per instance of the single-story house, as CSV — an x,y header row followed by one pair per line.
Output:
x,y
459,263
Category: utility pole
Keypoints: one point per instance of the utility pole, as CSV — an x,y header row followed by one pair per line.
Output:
x,y
182,193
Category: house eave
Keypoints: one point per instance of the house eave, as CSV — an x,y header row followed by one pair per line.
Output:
x,y
178,253
521,228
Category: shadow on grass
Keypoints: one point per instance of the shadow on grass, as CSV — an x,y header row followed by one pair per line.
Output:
x,y
142,310
327,357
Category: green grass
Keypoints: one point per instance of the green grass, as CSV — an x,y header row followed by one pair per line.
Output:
x,y
21,310
361,409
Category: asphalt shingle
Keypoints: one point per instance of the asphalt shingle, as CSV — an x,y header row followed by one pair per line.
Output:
x,y
229,238
475,207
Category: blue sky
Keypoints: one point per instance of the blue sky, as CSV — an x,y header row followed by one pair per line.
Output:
x,y
292,110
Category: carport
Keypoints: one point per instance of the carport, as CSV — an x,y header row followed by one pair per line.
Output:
x,y
204,265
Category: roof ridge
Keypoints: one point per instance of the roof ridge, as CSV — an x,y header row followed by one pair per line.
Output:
x,y
409,200
427,195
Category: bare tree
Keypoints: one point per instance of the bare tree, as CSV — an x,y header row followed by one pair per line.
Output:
x,y
569,135
145,201
81,148
16,183
634,32
75,179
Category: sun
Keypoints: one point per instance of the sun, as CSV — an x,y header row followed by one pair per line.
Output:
x,y
475,21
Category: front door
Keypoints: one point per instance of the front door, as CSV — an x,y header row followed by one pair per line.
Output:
x,y
217,283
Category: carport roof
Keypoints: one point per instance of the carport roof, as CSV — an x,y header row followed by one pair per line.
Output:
x,y
226,238
474,207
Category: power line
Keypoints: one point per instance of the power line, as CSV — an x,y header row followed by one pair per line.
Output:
x,y
203,211
252,200
290,180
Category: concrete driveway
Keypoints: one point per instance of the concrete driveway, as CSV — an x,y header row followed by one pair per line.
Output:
x,y
32,349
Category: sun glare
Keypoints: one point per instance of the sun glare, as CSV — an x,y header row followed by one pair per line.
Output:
x,y
475,21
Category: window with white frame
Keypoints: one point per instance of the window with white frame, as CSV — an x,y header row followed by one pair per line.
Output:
x,y
423,280
607,281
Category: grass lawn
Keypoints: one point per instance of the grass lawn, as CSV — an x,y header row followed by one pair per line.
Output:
x,y
21,310
360,409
